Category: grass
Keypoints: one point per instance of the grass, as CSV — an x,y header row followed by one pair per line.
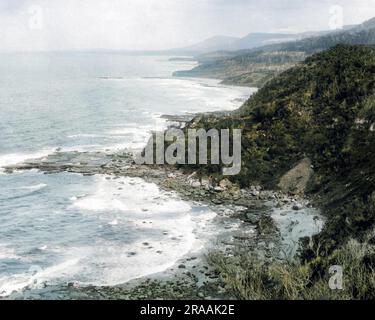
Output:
x,y
248,277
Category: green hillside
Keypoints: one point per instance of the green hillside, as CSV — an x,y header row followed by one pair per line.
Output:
x,y
323,109
252,69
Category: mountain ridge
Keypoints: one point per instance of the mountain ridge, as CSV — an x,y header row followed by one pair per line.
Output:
x,y
250,41
255,67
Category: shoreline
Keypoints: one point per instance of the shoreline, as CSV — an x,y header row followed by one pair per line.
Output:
x,y
252,210
181,119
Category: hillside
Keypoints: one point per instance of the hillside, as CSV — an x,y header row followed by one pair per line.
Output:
x,y
364,34
254,68
250,41
254,40
323,109
216,43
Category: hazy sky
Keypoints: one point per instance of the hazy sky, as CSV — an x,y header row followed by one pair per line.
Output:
x,y
159,24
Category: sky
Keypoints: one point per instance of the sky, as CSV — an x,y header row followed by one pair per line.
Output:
x,y
40,25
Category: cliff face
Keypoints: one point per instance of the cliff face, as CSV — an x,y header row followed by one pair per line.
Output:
x,y
323,110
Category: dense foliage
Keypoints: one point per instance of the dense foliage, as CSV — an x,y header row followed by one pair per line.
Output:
x,y
322,109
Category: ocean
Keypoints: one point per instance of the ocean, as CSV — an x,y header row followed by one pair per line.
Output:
x,y
62,228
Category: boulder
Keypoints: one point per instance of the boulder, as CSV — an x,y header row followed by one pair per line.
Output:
x,y
255,193
218,189
295,181
225,184
195,183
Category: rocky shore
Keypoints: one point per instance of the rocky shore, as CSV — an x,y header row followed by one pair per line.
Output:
x,y
266,223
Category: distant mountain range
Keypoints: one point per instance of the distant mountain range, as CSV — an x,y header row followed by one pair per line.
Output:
x,y
256,66
250,41
354,35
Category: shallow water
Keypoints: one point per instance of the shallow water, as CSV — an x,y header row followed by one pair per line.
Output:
x,y
62,228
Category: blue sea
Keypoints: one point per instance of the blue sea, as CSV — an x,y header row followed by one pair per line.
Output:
x,y
62,228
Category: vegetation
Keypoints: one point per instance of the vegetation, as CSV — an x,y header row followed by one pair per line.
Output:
x,y
253,69
257,66
323,109
249,278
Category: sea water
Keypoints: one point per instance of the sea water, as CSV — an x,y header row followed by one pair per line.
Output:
x,y
62,228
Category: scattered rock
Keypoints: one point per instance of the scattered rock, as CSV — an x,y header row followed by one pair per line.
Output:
x,y
218,189
251,218
217,201
255,193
